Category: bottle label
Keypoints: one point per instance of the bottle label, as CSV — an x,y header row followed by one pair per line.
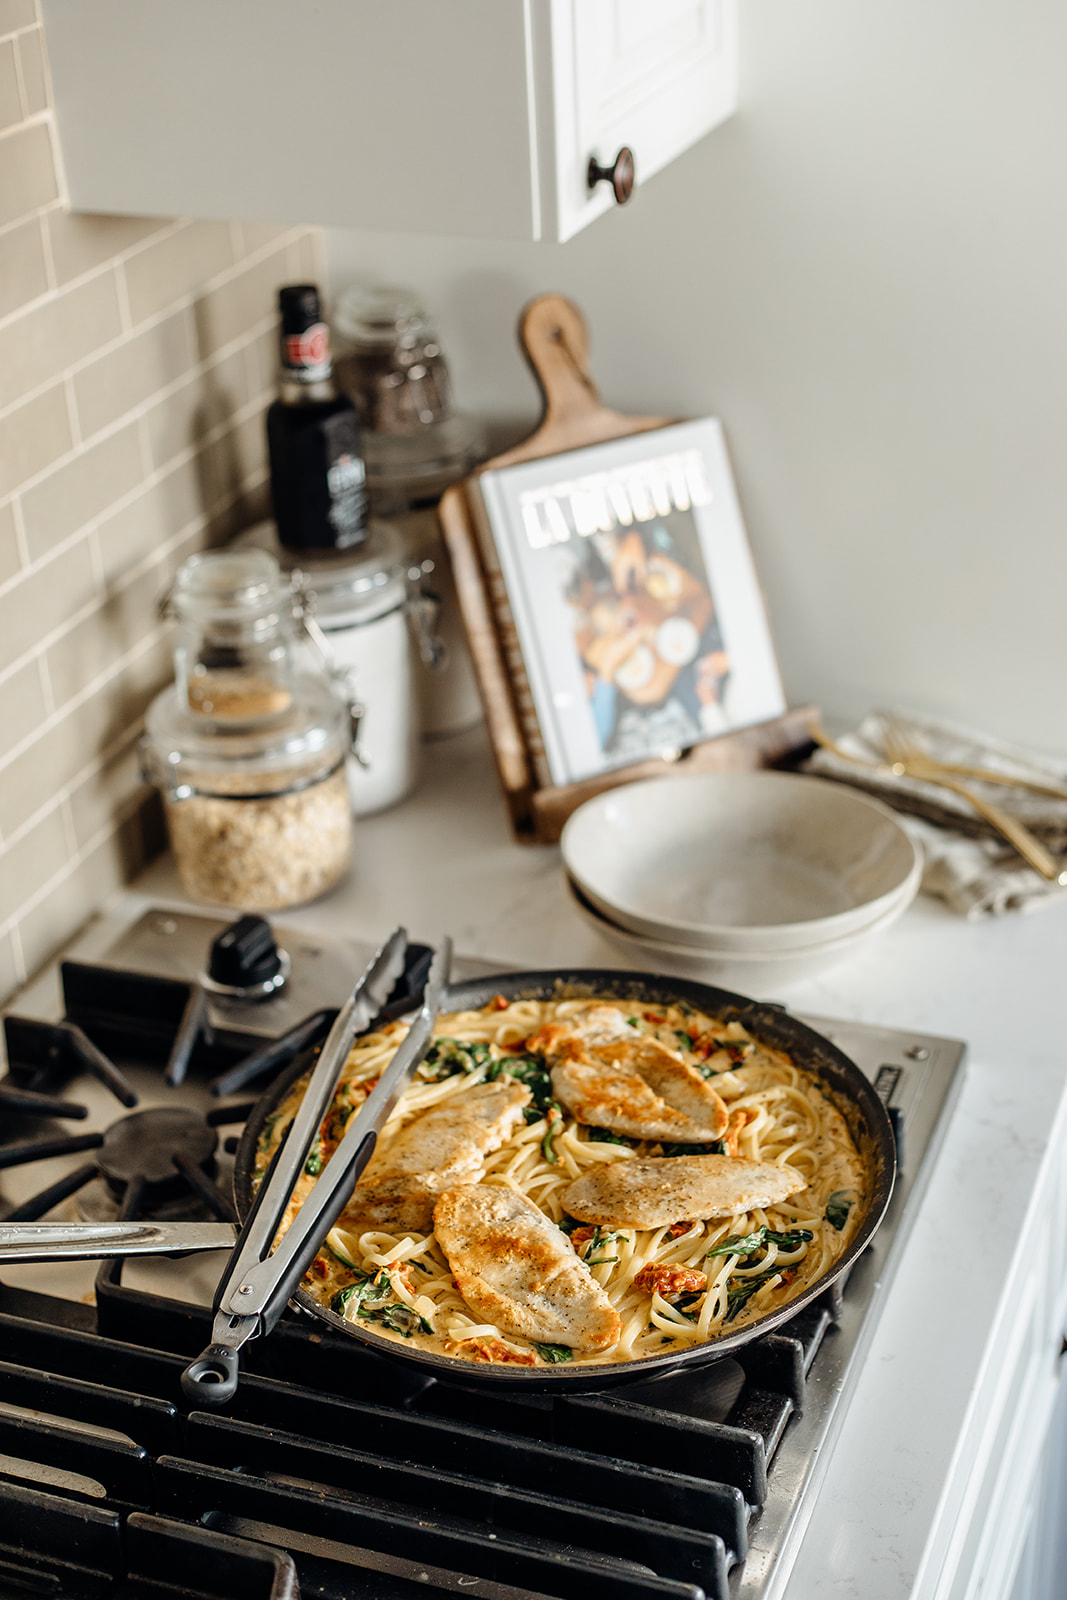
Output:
x,y
345,480
307,354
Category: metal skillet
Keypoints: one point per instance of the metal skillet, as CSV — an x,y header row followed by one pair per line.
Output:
x,y
839,1078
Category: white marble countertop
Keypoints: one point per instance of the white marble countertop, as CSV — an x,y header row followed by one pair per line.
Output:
x,y
445,862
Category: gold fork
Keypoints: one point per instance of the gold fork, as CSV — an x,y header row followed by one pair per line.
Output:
x,y
907,757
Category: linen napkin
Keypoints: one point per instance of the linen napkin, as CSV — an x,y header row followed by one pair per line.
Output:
x,y
967,862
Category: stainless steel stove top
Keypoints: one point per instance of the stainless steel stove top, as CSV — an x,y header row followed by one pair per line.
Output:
x,y
918,1077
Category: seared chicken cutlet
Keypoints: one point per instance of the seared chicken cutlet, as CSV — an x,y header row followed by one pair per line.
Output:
x,y
651,1192
514,1267
440,1148
610,1076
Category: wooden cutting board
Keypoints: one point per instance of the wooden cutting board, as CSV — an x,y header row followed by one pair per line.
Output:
x,y
554,339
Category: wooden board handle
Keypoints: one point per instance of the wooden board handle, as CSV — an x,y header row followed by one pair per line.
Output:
x,y
555,341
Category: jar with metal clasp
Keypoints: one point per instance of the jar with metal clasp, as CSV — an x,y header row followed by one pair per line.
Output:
x,y
248,746
371,617
415,444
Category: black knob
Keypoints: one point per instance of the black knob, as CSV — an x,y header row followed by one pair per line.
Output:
x,y
620,175
245,956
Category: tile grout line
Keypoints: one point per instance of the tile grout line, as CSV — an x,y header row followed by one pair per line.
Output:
x,y
122,342
20,81
98,762
150,477
72,864
157,557
169,229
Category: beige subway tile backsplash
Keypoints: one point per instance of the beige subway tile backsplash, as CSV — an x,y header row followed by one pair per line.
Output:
x,y
41,602
35,435
132,372
262,357
32,68
236,307
27,172
99,641
16,14
176,266
81,242
56,334
47,925
149,522
87,485
42,852
137,357
10,98
108,793
253,236
10,554
25,274
61,754
11,968
23,707
188,415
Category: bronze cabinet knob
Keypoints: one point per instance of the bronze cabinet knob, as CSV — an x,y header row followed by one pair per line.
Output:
x,y
620,175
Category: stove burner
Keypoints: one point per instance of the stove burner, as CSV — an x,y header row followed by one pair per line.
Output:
x,y
157,1148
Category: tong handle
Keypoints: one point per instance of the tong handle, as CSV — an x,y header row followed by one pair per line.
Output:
x,y
211,1379
270,1283
261,1226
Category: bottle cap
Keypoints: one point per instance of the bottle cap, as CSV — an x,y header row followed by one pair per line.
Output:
x,y
305,338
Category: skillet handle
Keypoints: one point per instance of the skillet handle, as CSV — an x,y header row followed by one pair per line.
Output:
x,y
211,1379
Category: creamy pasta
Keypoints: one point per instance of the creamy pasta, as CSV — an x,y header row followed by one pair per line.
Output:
x,y
720,1274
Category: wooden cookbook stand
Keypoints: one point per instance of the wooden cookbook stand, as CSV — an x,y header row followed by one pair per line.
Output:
x,y
553,336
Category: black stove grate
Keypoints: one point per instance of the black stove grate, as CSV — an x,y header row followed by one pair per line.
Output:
x,y
377,1481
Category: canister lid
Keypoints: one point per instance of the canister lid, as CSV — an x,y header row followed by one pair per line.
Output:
x,y
345,586
305,743
233,587
419,466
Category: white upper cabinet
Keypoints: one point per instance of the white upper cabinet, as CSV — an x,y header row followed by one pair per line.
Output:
x,y
465,117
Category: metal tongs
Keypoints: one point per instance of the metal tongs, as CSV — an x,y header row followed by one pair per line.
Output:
x,y
257,1284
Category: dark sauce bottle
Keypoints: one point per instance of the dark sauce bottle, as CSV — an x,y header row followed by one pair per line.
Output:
x,y
317,473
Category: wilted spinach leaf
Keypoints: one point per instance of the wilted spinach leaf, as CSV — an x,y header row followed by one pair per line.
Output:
x,y
531,1071
838,1207
450,1056
554,1353
744,1244
605,1136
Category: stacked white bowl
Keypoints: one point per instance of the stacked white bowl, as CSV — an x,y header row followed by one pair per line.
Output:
x,y
750,879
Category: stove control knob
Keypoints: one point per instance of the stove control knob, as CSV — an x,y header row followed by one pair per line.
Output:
x,y
245,959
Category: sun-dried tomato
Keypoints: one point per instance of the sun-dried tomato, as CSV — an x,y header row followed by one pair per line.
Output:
x,y
670,1281
491,1350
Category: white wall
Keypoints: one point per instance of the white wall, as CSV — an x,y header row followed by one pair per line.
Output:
x,y
864,274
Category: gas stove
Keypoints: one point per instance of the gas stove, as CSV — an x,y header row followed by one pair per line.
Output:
x,y
334,1471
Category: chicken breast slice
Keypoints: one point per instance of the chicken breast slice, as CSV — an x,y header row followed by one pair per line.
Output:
x,y
440,1148
610,1076
651,1192
514,1268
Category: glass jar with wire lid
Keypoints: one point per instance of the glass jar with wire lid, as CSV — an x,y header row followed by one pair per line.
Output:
x,y
248,745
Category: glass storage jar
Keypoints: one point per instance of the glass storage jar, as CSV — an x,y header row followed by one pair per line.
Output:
x,y
368,619
391,365
248,746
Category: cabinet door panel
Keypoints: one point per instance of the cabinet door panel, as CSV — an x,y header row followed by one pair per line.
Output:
x,y
409,116
651,74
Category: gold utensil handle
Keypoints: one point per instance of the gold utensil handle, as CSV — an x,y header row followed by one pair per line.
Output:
x,y
921,766
1005,779
1016,832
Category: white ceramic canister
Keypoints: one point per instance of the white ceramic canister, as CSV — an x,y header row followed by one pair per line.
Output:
x,y
365,606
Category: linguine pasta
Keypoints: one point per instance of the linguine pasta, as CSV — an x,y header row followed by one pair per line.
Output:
x,y
728,1271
